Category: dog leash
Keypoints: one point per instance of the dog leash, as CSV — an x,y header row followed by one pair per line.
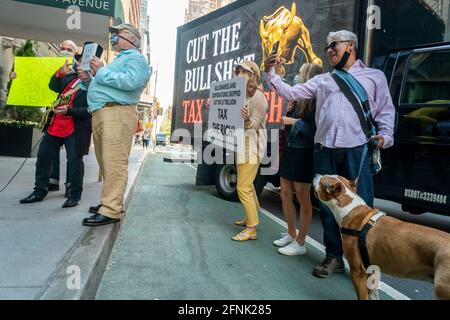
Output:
x,y
361,163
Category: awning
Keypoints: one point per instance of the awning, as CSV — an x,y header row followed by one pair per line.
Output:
x,y
46,20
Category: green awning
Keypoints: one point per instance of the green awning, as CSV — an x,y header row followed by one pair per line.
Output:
x,y
102,7
47,20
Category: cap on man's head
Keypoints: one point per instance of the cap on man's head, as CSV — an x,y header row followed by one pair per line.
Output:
x,y
343,35
251,67
126,26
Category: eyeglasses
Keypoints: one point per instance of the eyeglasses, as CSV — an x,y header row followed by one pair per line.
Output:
x,y
333,45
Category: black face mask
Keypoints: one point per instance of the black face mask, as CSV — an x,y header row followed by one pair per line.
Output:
x,y
343,61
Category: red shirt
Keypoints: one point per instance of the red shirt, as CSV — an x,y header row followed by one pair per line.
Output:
x,y
62,125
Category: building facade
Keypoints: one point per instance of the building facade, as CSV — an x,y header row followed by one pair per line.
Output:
x,y
132,11
199,8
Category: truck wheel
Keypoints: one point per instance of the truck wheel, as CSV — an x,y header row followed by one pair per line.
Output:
x,y
412,209
225,177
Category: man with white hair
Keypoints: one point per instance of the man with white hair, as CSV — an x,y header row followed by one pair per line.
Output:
x,y
113,93
340,140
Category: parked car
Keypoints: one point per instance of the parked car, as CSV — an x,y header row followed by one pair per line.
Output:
x,y
161,139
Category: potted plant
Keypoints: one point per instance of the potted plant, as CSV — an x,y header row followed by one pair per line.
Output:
x,y
19,133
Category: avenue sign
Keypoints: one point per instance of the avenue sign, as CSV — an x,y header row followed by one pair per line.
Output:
x,y
101,7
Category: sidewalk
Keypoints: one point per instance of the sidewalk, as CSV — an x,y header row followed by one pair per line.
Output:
x,y
175,244
40,241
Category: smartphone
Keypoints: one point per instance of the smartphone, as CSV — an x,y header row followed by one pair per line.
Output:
x,y
275,47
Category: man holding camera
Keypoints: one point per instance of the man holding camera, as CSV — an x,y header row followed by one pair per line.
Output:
x,y
340,139
113,93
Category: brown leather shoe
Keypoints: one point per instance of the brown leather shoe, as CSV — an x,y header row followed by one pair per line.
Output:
x,y
329,266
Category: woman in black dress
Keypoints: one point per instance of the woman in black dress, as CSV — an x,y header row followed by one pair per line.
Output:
x,y
296,167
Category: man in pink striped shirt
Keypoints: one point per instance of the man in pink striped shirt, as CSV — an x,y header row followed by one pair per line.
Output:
x,y
339,139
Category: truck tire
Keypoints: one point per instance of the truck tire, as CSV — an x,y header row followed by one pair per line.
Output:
x,y
412,209
225,177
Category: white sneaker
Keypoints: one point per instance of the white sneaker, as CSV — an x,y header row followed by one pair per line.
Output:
x,y
284,240
293,249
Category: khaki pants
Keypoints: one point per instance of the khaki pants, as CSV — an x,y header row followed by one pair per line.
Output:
x,y
113,130
246,174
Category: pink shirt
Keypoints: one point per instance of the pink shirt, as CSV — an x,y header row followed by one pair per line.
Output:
x,y
337,124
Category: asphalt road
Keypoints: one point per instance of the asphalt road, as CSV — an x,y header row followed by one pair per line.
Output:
x,y
416,290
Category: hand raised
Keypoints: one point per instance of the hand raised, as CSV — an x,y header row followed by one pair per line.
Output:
x,y
66,69
83,75
96,64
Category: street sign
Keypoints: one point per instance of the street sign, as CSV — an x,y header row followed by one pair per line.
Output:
x,y
101,7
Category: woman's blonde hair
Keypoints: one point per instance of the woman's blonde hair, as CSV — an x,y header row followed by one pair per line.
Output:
x,y
307,72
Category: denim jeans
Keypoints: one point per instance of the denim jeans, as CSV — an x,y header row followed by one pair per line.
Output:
x,y
344,162
54,171
48,150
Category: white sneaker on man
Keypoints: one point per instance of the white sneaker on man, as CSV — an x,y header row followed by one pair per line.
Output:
x,y
284,240
293,249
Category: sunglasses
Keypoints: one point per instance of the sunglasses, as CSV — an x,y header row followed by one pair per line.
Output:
x,y
332,45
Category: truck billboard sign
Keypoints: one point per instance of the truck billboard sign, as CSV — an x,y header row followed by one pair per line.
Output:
x,y
208,52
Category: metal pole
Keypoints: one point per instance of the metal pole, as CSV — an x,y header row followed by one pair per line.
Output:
x,y
155,100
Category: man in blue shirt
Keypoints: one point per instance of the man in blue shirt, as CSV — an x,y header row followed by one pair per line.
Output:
x,y
114,91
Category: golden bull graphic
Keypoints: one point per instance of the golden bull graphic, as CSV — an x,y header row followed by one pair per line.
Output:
x,y
284,26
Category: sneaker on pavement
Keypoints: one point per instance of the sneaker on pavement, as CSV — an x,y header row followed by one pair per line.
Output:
x,y
293,249
329,266
284,240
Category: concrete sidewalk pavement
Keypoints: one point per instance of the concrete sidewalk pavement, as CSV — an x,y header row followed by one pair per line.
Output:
x,y
42,244
175,244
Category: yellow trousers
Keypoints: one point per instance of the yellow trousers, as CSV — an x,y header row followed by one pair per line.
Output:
x,y
246,174
113,130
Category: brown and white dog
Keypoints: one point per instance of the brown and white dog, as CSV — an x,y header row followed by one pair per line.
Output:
x,y
398,248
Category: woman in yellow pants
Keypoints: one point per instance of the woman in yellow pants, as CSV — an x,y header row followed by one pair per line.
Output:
x,y
255,143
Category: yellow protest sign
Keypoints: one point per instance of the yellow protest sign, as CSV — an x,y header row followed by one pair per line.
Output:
x,y
30,88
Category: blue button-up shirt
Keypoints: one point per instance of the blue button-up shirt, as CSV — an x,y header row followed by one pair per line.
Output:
x,y
121,82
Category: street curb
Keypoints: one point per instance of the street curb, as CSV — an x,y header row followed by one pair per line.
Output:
x,y
90,254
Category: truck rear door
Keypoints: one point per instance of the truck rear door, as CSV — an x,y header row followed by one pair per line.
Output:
x,y
417,169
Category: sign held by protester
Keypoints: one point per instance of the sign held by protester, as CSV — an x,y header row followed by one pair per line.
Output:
x,y
89,52
225,123
30,88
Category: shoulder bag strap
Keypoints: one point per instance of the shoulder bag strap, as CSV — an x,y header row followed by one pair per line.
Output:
x,y
356,103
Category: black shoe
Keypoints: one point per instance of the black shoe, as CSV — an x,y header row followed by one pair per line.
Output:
x,y
70,203
31,198
98,220
53,187
329,266
94,209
